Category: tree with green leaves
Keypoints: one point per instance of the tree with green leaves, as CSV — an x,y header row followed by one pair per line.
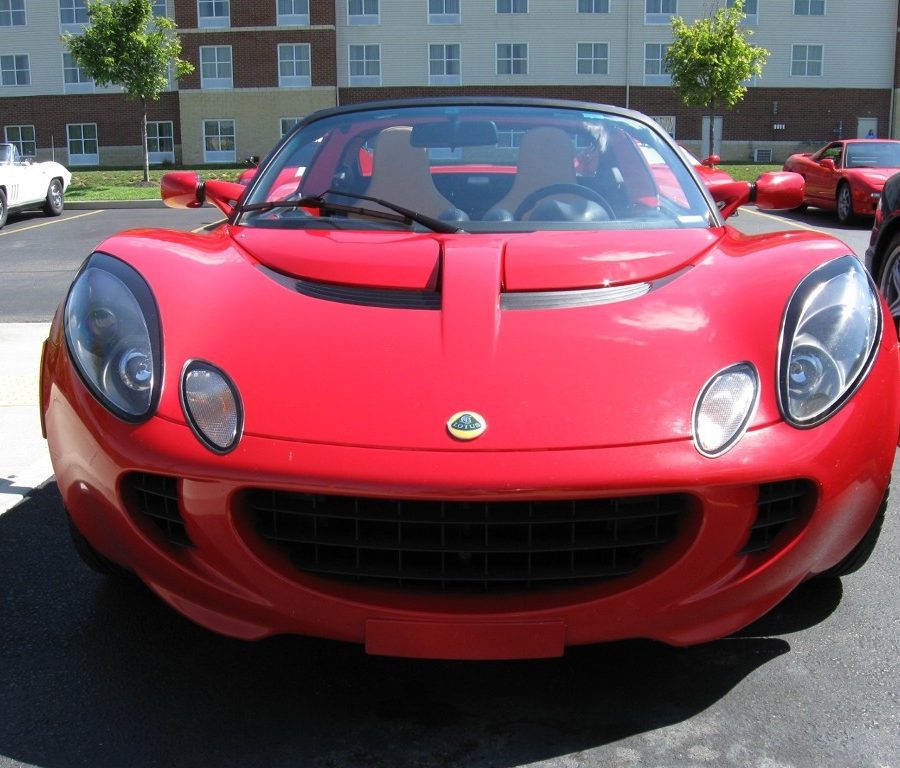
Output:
x,y
125,45
711,59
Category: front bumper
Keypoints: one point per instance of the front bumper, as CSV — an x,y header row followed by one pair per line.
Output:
x,y
702,585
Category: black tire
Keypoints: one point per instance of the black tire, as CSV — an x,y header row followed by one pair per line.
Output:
x,y
92,558
887,275
4,210
55,198
862,551
844,204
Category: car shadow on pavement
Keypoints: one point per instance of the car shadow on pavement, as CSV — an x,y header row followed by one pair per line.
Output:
x,y
98,672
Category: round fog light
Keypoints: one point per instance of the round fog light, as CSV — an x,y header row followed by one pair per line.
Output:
x,y
724,408
211,405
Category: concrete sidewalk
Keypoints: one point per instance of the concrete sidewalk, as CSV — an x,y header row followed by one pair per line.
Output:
x,y
24,459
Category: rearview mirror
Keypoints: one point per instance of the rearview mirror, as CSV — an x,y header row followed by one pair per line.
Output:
x,y
453,133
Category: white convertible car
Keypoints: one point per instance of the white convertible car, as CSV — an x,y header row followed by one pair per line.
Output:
x,y
26,184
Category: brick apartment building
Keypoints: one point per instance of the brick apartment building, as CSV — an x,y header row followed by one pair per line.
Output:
x,y
260,65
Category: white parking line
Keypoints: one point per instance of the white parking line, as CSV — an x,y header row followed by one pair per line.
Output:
x,y
48,223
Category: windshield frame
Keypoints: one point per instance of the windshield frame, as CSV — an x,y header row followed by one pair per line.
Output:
x,y
361,119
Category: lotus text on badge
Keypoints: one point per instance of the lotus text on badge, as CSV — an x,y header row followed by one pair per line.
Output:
x,y
466,425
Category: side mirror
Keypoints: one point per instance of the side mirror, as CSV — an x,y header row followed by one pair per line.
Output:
x,y
773,191
827,163
712,161
779,191
183,189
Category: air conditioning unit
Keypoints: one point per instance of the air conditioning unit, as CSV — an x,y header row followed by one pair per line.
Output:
x,y
762,155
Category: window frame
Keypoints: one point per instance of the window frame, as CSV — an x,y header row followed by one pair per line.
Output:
x,y
806,60
593,58
660,16
82,158
512,59
809,7
514,7
663,77
219,155
216,83
77,8
593,3
84,83
20,141
13,13
444,78
366,79
364,17
216,20
295,80
15,70
159,156
444,16
292,19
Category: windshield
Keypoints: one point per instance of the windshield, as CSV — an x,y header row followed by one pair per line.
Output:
x,y
476,168
874,154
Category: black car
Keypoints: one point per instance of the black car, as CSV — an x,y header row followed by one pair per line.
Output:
x,y
883,254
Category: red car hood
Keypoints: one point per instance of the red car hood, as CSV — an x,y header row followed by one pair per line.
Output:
x,y
593,369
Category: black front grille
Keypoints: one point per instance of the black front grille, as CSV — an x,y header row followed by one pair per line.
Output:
x,y
155,498
466,545
779,505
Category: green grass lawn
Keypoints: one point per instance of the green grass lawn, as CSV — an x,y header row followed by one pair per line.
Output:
x,y
127,184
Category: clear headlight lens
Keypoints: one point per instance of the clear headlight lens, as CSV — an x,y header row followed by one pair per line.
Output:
x,y
724,408
830,335
113,337
211,405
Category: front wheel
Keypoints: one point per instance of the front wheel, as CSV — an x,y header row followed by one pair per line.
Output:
x,y
3,209
845,204
54,204
862,551
888,277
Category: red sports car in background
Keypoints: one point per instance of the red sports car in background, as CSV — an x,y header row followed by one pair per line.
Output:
x,y
472,401
847,176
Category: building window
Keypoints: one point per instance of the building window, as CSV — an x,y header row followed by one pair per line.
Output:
x,y
444,64
809,7
509,138
161,141
593,6
660,11
362,11
213,13
75,79
751,10
72,13
655,70
286,125
293,13
215,66
23,137
12,13
293,66
592,58
14,70
512,58
82,144
160,9
806,60
443,11
218,141
365,65
512,6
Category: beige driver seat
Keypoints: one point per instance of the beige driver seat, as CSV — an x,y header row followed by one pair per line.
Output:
x,y
546,157
401,174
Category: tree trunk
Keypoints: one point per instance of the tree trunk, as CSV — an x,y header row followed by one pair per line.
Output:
x,y
144,142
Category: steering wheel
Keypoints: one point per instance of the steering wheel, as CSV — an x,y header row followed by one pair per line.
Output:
x,y
552,190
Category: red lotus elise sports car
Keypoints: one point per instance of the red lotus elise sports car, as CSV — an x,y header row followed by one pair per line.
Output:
x,y
847,176
473,402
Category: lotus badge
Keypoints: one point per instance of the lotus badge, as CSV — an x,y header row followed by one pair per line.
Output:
x,y
466,425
